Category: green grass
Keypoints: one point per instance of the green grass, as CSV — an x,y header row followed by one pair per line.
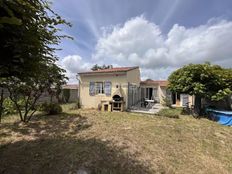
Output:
x,y
116,142
170,112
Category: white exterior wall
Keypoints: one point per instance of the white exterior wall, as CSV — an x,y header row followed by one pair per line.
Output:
x,y
161,91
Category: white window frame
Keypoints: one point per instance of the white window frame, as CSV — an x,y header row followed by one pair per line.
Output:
x,y
99,89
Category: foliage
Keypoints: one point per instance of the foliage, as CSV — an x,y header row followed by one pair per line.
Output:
x,y
29,90
28,34
98,67
9,107
204,80
66,94
51,108
170,112
167,101
76,105
28,41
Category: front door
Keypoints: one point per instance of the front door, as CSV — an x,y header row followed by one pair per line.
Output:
x,y
150,94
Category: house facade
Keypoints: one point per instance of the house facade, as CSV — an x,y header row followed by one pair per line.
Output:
x,y
155,90
180,100
97,87
100,87
73,90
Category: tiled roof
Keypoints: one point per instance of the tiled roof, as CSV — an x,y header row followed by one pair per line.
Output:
x,y
116,69
155,82
70,86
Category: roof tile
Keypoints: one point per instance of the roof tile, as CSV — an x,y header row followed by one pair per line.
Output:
x,y
116,69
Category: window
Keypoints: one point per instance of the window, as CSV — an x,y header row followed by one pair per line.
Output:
x,y
99,88
151,93
92,88
107,88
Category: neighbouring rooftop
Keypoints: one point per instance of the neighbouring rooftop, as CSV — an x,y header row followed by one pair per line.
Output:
x,y
70,86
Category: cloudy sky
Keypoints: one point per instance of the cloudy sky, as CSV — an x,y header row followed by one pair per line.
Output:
x,y
157,35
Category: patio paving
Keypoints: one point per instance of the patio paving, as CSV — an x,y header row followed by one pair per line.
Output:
x,y
148,110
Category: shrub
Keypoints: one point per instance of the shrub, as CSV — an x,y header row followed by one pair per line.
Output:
x,y
42,106
170,112
167,102
76,105
8,107
51,108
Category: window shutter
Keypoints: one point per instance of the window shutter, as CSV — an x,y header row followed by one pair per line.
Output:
x,y
91,88
108,88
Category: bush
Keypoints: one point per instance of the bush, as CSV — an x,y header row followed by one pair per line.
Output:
x,y
167,102
42,106
51,108
76,105
8,107
170,112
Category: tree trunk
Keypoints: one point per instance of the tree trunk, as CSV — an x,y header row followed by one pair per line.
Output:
x,y
1,105
29,118
17,107
51,98
228,103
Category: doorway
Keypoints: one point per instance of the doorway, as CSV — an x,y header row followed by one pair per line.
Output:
x,y
149,93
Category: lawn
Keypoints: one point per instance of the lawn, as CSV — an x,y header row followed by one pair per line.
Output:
x,y
103,142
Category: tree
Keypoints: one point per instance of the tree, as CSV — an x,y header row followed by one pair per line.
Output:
x,y
26,92
207,81
28,29
28,35
98,67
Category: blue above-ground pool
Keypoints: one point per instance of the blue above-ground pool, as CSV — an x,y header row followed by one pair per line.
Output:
x,y
222,117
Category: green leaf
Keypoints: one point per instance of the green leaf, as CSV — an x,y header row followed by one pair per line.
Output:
x,y
10,20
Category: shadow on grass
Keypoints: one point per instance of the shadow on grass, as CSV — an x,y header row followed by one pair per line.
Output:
x,y
48,125
48,144
67,155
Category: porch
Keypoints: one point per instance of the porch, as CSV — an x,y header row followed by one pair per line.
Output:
x,y
152,109
147,98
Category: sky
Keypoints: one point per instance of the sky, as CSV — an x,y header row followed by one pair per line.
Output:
x,y
159,36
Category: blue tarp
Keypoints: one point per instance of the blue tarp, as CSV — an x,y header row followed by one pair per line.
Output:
x,y
222,117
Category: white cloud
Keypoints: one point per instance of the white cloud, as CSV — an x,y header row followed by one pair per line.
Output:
x,y
157,74
74,64
140,42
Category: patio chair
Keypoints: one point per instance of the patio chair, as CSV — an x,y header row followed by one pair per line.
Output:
x,y
144,103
